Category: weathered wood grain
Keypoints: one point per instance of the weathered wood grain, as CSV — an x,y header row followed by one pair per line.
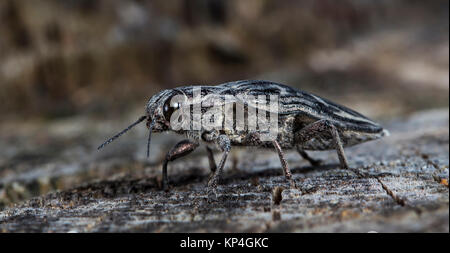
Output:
x,y
401,185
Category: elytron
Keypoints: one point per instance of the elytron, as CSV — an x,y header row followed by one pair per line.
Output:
x,y
304,122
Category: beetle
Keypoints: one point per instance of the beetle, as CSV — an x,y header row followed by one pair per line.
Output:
x,y
305,122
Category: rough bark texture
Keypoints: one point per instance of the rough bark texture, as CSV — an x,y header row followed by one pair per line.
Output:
x,y
402,186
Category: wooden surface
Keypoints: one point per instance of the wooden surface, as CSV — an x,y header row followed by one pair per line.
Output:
x,y
402,187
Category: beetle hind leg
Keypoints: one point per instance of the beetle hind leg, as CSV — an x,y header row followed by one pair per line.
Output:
x,y
323,127
339,147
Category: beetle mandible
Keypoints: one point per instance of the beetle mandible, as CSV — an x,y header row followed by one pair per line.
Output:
x,y
305,122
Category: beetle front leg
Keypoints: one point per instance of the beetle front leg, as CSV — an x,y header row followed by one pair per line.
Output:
x,y
181,149
322,127
225,145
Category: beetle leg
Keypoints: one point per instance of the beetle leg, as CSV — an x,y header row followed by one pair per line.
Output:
x,y
320,127
212,163
181,149
339,147
225,145
312,161
287,171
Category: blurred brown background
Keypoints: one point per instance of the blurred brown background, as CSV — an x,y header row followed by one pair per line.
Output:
x,y
74,72
61,58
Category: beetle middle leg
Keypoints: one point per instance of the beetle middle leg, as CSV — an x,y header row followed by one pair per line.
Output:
x,y
322,127
181,149
225,145
212,163
312,161
287,171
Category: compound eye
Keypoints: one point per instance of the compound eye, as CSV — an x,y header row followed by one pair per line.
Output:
x,y
169,108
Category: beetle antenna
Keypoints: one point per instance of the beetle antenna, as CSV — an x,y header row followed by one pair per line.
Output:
x,y
149,137
122,132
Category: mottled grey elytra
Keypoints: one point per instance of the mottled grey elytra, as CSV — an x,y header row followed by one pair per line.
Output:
x,y
305,122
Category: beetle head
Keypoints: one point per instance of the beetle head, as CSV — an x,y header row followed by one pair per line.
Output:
x,y
159,109
158,112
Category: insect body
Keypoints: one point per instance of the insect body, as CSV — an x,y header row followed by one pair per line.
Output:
x,y
303,122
